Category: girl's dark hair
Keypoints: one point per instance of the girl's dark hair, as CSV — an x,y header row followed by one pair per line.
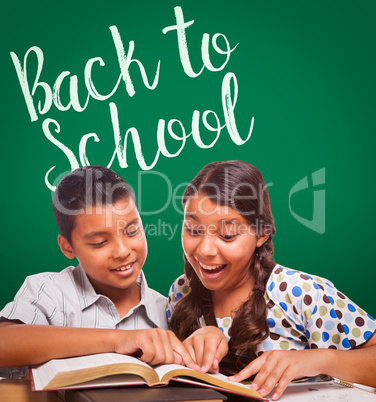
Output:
x,y
239,185
84,188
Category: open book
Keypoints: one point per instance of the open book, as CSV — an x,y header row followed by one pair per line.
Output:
x,y
111,369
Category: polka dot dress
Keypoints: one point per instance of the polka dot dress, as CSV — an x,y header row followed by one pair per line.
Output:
x,y
303,312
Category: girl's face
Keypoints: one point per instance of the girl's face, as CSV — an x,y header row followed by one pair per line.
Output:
x,y
219,244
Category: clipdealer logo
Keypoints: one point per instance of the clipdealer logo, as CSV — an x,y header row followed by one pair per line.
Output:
x,y
172,199
317,223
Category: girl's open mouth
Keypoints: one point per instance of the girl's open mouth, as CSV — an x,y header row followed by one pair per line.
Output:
x,y
211,269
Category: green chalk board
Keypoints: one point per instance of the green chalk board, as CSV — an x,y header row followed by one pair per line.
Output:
x,y
298,76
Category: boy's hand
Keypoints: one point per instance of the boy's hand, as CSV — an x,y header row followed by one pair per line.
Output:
x,y
207,346
281,367
154,346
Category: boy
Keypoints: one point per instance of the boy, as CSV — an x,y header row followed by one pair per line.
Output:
x,y
102,305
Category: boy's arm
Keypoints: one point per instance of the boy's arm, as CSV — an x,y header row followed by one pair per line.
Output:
x,y
23,344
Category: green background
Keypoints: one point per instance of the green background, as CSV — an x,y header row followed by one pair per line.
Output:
x,y
305,71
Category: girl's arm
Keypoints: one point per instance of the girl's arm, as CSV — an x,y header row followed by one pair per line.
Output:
x,y
23,345
207,346
280,367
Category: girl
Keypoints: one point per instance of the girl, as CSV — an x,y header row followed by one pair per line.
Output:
x,y
281,324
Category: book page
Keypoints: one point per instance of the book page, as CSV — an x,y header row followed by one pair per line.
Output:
x,y
185,374
118,380
164,369
101,359
222,381
43,374
212,378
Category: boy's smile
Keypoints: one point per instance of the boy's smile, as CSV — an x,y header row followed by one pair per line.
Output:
x,y
110,244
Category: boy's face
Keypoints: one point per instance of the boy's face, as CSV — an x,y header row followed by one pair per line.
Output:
x,y
109,243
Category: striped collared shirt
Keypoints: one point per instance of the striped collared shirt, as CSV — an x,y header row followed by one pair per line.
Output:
x,y
67,298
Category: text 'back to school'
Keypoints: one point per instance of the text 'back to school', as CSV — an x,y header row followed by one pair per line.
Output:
x,y
202,123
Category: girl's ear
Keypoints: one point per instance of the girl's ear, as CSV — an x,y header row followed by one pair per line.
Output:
x,y
65,247
261,240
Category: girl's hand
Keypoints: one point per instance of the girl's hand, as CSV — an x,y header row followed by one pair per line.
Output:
x,y
281,367
207,346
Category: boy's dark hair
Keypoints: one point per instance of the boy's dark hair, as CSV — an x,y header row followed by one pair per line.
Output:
x,y
84,188
239,185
